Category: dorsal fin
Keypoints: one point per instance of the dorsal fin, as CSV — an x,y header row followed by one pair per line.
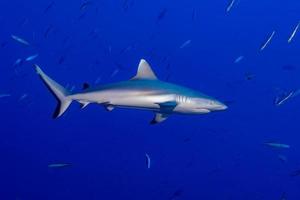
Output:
x,y
145,71
85,86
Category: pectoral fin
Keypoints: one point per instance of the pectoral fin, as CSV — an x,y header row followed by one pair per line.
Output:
x,y
167,107
159,117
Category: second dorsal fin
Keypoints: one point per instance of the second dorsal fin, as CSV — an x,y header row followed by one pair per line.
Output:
x,y
85,86
145,71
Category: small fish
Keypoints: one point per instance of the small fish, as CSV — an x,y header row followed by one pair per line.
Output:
x,y
249,76
3,44
127,4
30,58
48,30
230,5
194,14
20,40
24,96
277,145
279,100
4,95
229,102
115,72
109,49
169,75
267,41
81,16
59,165
66,39
18,62
216,170
187,140
283,196
125,49
238,59
61,60
24,22
148,161
289,67
94,34
282,158
72,88
168,66
85,4
296,93
294,33
97,81
161,15
176,194
49,7
185,44
295,173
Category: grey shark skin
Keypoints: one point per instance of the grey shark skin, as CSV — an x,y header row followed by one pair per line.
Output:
x,y
144,91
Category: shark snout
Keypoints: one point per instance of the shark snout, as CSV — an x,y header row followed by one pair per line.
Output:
x,y
219,106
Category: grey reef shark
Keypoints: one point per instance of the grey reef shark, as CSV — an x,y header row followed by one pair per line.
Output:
x,y
144,91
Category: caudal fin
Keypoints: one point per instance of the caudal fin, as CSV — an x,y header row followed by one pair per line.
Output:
x,y
59,92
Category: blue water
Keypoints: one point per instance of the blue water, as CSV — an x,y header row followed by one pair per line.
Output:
x,y
215,156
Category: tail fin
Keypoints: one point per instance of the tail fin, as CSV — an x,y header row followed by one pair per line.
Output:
x,y
59,92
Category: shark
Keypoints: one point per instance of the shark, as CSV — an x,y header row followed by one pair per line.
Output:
x,y
144,91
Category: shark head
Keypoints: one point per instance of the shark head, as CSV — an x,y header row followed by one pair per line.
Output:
x,y
199,104
208,104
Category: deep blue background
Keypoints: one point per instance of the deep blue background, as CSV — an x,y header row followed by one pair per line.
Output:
x,y
215,156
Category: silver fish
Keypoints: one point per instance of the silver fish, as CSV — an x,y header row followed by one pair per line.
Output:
x,y
283,98
30,58
238,59
24,96
97,81
282,158
268,41
230,6
294,33
4,95
185,44
115,72
148,161
277,145
18,62
20,40
59,165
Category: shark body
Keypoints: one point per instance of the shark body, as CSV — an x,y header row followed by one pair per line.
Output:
x,y
144,91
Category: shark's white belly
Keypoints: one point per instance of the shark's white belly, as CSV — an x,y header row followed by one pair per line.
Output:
x,y
147,100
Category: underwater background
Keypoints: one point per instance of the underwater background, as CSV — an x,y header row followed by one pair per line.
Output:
x,y
193,43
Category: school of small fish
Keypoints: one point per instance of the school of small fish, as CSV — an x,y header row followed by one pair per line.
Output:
x,y
281,99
